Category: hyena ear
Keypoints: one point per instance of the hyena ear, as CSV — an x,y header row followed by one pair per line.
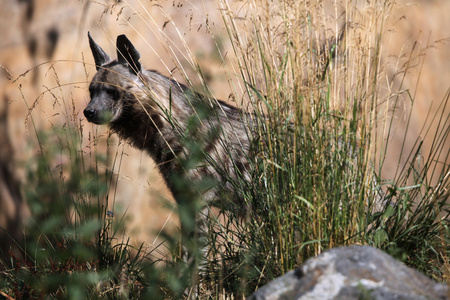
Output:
x,y
100,56
127,54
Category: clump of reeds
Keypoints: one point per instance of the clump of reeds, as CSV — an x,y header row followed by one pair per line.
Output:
x,y
311,79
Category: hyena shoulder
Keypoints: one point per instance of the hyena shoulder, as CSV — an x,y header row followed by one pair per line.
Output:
x,y
154,112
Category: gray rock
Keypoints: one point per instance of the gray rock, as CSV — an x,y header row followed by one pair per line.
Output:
x,y
354,272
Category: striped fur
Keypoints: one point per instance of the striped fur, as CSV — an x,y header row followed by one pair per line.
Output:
x,y
152,112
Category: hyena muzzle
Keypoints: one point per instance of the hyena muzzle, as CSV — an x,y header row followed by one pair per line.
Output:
x,y
152,113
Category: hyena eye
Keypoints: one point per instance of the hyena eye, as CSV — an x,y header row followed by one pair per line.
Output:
x,y
113,93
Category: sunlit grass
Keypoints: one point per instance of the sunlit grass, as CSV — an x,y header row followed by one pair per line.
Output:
x,y
318,99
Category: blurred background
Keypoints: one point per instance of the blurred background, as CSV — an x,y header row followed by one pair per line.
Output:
x,y
46,65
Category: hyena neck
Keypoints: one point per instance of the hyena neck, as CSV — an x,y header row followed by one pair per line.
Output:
x,y
146,137
144,125
146,131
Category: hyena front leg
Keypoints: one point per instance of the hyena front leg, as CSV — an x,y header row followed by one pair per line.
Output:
x,y
152,112
194,249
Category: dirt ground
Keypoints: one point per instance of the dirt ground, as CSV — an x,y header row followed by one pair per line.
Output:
x,y
55,33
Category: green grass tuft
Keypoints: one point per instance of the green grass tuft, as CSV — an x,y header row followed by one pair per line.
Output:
x,y
319,103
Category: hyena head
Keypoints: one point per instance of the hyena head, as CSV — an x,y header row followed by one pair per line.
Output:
x,y
111,87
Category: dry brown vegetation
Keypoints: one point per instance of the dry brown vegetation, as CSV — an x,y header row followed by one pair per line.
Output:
x,y
415,29
47,65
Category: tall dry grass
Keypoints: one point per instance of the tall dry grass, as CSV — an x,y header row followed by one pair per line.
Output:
x,y
315,81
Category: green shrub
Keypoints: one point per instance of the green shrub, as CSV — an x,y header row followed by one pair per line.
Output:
x,y
318,103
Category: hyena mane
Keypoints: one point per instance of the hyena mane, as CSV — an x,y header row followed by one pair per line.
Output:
x,y
152,112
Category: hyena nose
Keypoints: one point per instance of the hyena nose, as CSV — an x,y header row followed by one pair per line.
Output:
x,y
89,113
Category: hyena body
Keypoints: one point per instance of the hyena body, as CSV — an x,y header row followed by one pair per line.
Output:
x,y
152,112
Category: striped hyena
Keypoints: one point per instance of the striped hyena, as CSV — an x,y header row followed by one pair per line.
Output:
x,y
152,112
